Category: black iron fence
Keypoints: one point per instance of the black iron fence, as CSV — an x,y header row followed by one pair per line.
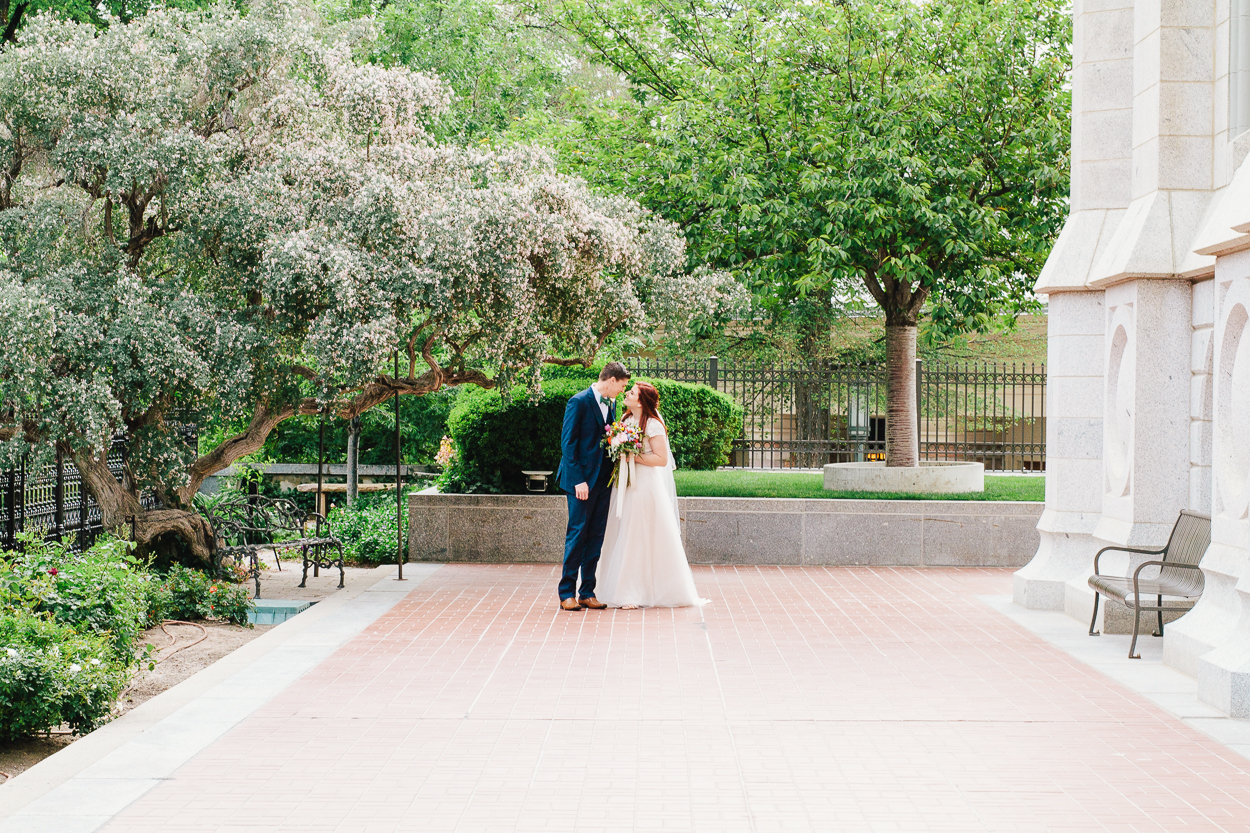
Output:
x,y
51,499
804,416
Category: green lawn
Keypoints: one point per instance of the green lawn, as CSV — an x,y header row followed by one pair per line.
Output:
x,y
804,485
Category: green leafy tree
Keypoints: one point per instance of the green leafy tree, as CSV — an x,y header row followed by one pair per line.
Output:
x,y
499,64
218,216
838,152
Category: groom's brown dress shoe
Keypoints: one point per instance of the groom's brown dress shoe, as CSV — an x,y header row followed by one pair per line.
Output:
x,y
569,604
593,604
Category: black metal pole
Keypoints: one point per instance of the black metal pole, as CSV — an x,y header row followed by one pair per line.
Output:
x,y
10,499
399,482
58,517
320,501
21,497
84,511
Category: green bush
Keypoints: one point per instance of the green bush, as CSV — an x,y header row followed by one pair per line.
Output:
x,y
496,440
50,674
367,529
184,593
103,591
702,423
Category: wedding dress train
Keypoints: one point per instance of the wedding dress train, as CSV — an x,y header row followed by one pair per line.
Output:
x,y
643,561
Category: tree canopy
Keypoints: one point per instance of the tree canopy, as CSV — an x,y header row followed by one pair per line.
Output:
x,y
213,215
834,151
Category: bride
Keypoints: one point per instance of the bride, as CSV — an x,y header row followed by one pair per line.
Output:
x,y
644,562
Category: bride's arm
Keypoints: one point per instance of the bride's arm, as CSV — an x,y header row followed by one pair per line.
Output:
x,y
659,452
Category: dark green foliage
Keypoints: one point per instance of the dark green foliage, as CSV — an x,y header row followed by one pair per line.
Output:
x,y
102,591
826,151
702,422
186,593
367,529
50,674
495,440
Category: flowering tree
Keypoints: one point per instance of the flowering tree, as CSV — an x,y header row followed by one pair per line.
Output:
x,y
211,215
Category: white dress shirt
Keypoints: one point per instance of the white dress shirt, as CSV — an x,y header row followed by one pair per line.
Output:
x,y
603,409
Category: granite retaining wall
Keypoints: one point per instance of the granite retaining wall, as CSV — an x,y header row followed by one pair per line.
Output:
x,y
912,533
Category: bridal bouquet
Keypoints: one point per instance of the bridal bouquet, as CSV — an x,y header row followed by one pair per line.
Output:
x,y
623,440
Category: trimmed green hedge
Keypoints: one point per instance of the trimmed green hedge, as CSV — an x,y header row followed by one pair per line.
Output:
x,y
495,440
703,423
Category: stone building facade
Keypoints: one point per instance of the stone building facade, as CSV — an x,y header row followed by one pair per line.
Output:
x,y
1149,293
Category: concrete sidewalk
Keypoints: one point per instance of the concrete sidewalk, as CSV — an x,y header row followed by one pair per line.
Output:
x,y
848,699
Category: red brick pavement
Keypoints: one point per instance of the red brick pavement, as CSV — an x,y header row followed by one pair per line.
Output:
x,y
842,699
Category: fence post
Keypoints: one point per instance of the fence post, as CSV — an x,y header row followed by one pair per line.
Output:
x,y
21,497
919,418
713,372
84,529
10,499
58,496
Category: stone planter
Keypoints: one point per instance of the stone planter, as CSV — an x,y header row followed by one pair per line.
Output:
x,y
929,478
525,528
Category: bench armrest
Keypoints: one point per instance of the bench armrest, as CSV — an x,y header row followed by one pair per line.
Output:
x,y
1146,564
1137,550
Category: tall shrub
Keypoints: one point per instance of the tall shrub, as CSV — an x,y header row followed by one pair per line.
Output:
x,y
702,423
496,440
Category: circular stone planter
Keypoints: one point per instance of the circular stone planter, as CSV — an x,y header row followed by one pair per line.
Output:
x,y
932,478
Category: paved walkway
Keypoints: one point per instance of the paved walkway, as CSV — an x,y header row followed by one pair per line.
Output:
x,y
847,699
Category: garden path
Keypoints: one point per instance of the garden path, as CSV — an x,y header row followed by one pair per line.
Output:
x,y
849,699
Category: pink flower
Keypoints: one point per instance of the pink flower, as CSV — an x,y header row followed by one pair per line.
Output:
x,y
52,572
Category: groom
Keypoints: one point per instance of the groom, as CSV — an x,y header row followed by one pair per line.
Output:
x,y
584,474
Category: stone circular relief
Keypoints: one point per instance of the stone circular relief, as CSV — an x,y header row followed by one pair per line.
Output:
x,y
1121,359
1232,406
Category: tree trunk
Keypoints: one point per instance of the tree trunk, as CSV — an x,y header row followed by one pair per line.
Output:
x,y
353,461
121,512
901,446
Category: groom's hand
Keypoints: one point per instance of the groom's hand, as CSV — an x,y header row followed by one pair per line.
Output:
x,y
581,491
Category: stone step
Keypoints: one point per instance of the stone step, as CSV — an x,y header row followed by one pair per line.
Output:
x,y
275,611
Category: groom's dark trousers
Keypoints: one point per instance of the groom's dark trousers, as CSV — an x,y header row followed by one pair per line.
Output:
x,y
583,460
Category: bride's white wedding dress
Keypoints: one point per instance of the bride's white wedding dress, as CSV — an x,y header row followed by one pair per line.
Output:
x,y
643,561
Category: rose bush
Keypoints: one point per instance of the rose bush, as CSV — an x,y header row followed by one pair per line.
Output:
x,y
51,674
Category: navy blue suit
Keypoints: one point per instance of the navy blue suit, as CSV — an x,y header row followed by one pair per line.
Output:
x,y
584,460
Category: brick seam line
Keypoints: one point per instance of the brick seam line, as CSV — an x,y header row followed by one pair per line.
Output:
x,y
70,762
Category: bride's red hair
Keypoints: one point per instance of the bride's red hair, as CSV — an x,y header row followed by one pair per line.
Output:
x,y
649,400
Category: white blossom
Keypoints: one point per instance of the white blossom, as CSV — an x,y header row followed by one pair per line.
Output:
x,y
214,211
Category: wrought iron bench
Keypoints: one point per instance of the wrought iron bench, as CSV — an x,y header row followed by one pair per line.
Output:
x,y
246,526
1179,574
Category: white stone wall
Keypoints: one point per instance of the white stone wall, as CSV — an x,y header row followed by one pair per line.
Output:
x,y
1074,414
1102,104
1146,424
1168,246
1200,383
1212,642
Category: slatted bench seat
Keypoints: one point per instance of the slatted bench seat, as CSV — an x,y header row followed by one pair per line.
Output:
x,y
1179,575
245,527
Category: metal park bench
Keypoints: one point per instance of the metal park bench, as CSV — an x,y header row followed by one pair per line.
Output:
x,y
1179,574
246,526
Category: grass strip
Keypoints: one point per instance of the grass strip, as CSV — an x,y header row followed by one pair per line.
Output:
x,y
808,485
